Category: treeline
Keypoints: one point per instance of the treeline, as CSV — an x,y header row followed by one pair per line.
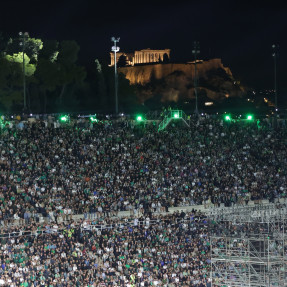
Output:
x,y
55,80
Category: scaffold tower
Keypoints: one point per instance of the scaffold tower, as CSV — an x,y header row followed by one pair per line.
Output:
x,y
249,248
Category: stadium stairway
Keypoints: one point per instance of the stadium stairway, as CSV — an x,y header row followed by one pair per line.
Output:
x,y
172,115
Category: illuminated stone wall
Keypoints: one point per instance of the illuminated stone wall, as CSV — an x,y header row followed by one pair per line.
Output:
x,y
142,74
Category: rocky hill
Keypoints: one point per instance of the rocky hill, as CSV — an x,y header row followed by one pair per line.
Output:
x,y
175,82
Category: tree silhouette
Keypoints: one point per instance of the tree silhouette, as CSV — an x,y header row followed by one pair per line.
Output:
x,y
11,76
165,58
98,84
70,72
50,50
3,43
122,62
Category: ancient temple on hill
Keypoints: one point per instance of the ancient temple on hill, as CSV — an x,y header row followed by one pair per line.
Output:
x,y
145,56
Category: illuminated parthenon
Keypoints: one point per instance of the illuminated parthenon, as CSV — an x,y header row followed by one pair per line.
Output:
x,y
142,57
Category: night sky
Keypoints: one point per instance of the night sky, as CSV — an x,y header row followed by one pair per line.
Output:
x,y
241,33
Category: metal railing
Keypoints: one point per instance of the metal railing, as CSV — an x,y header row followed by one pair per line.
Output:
x,y
172,115
95,224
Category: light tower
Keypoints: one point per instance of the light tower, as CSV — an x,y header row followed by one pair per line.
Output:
x,y
23,37
115,49
275,54
195,51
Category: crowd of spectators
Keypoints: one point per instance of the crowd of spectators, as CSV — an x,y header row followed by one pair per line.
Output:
x,y
101,168
56,170
171,250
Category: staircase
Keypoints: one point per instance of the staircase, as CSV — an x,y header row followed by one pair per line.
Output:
x,y
170,116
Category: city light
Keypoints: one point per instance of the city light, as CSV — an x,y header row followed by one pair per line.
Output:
x,y
208,103
249,117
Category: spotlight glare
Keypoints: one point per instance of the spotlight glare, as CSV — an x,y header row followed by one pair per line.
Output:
x,y
139,118
64,118
93,119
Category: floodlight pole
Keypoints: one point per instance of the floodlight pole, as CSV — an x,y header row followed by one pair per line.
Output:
x,y
115,49
275,55
195,51
24,36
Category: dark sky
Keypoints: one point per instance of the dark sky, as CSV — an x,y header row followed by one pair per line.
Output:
x,y
241,33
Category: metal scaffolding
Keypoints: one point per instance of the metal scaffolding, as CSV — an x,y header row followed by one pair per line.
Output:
x,y
248,246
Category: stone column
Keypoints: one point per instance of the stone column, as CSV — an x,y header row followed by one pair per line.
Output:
x,y
111,60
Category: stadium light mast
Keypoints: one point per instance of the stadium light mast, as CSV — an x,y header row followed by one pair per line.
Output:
x,y
115,49
24,36
195,51
275,53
